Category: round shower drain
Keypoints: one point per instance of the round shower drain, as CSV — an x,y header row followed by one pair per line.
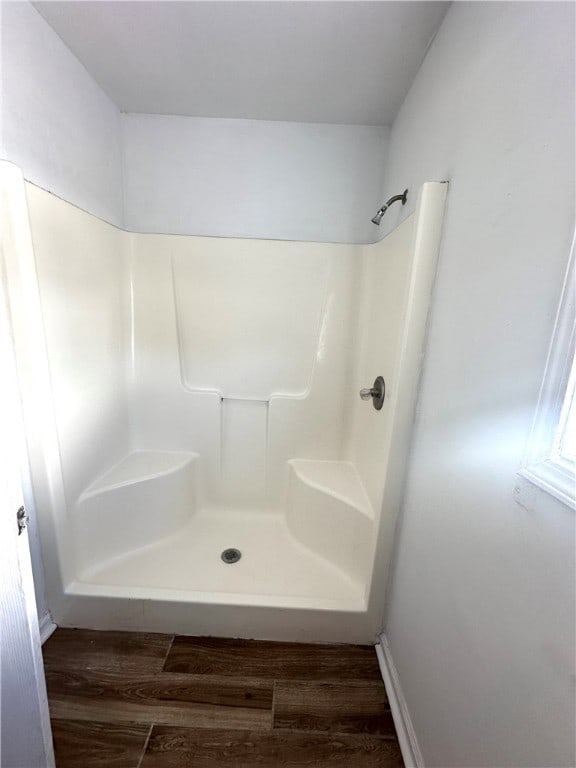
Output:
x,y
231,556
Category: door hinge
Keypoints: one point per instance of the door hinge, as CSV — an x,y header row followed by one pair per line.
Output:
x,y
21,519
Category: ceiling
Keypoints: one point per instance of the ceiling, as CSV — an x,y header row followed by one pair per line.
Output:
x,y
321,61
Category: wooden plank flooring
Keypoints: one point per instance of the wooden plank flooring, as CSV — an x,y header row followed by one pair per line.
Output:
x,y
335,707
98,744
72,649
142,700
278,661
184,747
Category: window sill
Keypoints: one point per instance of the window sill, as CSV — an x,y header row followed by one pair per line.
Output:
x,y
557,480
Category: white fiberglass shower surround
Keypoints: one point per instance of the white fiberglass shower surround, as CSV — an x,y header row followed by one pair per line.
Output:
x,y
185,395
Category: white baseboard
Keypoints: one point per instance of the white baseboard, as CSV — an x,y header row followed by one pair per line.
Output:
x,y
46,626
404,728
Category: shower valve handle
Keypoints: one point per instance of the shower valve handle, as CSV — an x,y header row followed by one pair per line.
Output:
x,y
376,392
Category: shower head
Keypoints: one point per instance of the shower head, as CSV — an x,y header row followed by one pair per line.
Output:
x,y
378,218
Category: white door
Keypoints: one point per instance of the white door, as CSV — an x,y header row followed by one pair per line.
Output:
x,y
25,735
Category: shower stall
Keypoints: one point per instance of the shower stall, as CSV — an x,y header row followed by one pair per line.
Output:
x,y
185,396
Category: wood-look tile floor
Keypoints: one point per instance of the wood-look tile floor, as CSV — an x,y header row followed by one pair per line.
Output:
x,y
141,700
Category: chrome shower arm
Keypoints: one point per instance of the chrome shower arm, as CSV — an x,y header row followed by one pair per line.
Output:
x,y
403,197
396,198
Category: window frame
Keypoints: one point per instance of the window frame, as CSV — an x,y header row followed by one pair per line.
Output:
x,y
543,465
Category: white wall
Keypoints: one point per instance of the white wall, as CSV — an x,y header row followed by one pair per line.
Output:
x,y
57,124
481,610
252,178
245,178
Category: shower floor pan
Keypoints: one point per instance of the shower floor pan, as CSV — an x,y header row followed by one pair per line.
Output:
x,y
143,563
275,569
